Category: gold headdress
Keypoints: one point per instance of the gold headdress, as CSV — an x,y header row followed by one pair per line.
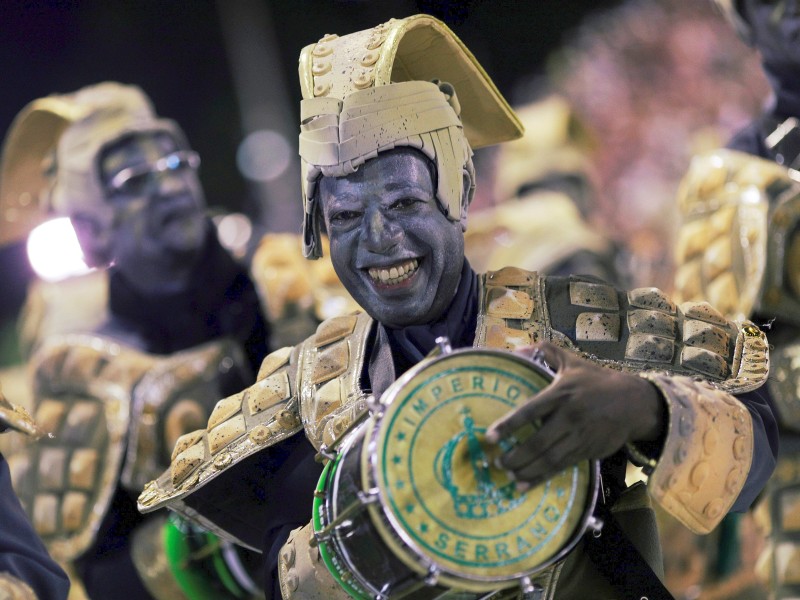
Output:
x,y
381,88
64,133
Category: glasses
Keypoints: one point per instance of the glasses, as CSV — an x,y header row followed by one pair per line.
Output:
x,y
136,180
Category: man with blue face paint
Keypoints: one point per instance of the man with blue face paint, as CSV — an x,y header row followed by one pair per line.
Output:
x,y
182,326
388,122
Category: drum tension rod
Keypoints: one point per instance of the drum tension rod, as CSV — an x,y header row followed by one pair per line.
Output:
x,y
364,498
530,590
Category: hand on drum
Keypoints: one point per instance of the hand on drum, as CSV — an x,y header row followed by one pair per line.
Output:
x,y
587,412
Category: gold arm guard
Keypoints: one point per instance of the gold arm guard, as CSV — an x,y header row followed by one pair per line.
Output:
x,y
706,455
12,588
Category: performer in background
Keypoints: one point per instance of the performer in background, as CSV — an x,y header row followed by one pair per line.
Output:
x,y
183,327
389,118
738,249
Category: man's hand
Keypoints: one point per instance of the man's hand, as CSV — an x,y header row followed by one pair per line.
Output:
x,y
587,412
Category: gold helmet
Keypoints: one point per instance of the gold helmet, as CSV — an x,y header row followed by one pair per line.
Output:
x,y
407,82
49,156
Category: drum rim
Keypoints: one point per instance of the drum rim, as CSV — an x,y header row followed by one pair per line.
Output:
x,y
411,555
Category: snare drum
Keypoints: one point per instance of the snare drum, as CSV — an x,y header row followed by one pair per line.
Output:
x,y
412,503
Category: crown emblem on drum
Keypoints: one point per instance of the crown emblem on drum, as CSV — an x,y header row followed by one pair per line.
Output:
x,y
475,494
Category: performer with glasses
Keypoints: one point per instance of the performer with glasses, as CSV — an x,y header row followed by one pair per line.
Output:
x,y
184,326
389,118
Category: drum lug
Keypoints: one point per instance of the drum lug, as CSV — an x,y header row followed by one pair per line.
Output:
x,y
432,578
374,405
443,346
326,453
342,520
594,525
530,590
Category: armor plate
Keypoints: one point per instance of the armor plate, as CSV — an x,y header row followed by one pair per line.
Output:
x,y
97,398
737,214
318,381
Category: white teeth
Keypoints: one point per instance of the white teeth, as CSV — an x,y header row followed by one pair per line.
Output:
x,y
395,274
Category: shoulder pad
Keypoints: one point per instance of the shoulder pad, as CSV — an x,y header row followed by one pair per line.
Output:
x,y
239,426
331,365
641,329
735,211
82,386
16,418
176,395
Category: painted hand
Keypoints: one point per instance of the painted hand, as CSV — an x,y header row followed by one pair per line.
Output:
x,y
587,412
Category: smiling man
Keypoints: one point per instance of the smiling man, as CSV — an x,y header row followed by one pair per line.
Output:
x,y
388,122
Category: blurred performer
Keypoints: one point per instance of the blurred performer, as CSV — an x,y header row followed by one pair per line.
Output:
x,y
297,295
26,570
544,192
386,146
184,326
738,249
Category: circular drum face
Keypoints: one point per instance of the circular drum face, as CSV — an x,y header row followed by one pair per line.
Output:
x,y
452,508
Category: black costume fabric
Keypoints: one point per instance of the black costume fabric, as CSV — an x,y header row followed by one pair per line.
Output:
x,y
22,553
221,301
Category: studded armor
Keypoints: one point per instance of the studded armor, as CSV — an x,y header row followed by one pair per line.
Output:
x,y
315,386
111,411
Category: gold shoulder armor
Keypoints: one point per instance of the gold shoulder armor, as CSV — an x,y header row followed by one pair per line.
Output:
x,y
239,426
707,452
641,329
12,588
332,361
16,418
692,353
735,211
82,386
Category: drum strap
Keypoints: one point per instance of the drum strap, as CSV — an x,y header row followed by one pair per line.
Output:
x,y
618,560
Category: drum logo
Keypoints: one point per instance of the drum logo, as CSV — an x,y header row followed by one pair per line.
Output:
x,y
491,498
441,489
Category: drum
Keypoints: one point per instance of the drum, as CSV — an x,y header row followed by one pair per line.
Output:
x,y
179,560
412,502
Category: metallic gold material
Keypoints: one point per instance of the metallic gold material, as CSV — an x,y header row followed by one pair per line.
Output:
x,y
706,455
325,405
149,557
12,588
728,201
382,91
17,418
65,482
69,129
302,574
783,384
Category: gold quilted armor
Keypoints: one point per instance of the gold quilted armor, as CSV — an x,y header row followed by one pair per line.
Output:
x,y
111,412
12,588
737,214
315,386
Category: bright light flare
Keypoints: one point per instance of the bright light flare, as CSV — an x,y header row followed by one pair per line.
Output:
x,y
234,231
54,251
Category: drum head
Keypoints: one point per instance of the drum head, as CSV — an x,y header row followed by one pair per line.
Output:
x,y
446,506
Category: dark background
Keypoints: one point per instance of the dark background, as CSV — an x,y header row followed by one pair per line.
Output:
x,y
179,52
